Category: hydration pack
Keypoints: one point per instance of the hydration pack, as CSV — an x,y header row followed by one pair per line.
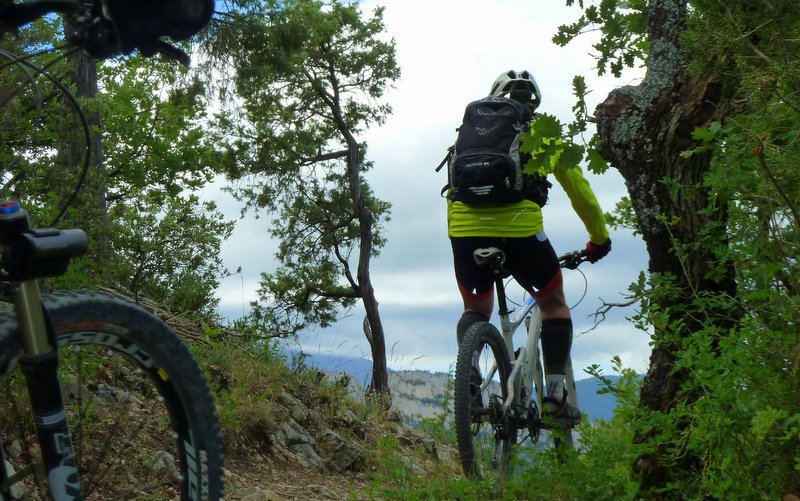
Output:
x,y
485,166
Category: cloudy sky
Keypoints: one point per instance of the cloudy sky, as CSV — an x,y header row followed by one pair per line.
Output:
x,y
450,52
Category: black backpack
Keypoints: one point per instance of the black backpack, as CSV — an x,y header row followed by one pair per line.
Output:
x,y
485,164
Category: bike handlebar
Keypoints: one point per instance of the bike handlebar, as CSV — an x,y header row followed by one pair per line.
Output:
x,y
572,260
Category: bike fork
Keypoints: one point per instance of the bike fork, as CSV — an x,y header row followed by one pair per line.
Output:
x,y
39,363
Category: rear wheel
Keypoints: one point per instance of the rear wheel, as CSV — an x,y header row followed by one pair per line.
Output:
x,y
142,419
484,434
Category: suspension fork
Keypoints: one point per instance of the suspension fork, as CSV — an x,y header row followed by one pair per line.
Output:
x,y
39,363
39,360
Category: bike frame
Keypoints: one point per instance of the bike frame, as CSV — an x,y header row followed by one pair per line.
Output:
x,y
527,371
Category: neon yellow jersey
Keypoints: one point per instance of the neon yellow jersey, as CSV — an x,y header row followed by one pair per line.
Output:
x,y
524,219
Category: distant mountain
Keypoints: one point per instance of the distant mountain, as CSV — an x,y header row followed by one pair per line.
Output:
x,y
595,406
359,369
420,394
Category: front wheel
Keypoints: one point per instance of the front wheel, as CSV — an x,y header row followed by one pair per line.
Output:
x,y
484,433
142,419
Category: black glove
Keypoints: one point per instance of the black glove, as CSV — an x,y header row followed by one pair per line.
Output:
x,y
596,252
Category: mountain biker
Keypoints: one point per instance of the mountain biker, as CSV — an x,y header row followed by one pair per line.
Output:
x,y
518,230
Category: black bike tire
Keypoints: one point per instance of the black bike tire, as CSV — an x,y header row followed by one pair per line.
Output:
x,y
110,322
477,336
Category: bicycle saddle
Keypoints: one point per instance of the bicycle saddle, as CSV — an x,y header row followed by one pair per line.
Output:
x,y
490,256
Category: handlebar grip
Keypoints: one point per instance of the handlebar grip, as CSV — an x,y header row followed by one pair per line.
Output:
x,y
56,244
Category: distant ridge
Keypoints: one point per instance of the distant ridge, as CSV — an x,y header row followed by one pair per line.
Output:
x,y
420,393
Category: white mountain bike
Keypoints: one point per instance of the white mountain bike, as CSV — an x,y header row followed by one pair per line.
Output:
x,y
492,406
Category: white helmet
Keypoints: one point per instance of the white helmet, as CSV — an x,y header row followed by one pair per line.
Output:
x,y
519,85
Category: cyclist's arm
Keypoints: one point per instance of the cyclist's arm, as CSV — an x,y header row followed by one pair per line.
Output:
x,y
584,202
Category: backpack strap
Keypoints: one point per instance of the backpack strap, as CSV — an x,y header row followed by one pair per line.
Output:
x,y
446,158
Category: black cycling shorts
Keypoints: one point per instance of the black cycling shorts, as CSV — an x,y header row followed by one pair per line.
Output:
x,y
532,262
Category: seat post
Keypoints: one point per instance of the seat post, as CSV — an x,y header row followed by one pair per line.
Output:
x,y
502,304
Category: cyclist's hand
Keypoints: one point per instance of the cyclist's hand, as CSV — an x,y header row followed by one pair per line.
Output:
x,y
596,252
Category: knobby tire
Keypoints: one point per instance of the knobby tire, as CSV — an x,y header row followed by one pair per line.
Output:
x,y
484,444
142,418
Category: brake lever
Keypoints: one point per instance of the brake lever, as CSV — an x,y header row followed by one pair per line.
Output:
x,y
173,52
573,259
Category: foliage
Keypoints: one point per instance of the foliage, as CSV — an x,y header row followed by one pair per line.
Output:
x,y
395,480
623,216
163,241
309,76
737,415
154,122
152,259
599,468
623,27
551,147
147,232
732,430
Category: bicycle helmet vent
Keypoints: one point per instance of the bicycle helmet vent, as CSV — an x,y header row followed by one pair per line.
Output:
x,y
518,85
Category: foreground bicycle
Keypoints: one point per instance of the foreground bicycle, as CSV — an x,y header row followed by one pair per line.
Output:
x,y
489,415
120,408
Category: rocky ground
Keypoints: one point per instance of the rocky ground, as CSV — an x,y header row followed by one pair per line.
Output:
x,y
285,471
305,458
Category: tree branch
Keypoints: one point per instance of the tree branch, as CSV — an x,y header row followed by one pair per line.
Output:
x,y
600,314
325,156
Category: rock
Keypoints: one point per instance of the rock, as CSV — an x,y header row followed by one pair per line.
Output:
x,y
394,416
17,491
348,418
14,448
321,492
296,439
256,494
296,408
73,389
342,454
413,438
112,395
164,461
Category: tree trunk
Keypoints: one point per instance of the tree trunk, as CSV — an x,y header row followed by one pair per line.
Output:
x,y
374,333
380,375
643,130
94,187
86,87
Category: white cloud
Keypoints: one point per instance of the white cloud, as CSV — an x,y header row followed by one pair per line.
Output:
x,y
450,52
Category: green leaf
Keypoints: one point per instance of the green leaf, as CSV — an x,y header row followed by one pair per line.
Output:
x,y
571,155
546,126
597,164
